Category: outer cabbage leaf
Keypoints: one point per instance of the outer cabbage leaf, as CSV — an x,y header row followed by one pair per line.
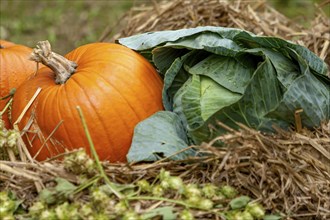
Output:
x,y
151,40
161,135
245,39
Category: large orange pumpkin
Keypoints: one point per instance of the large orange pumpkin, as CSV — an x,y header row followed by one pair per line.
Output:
x,y
15,67
115,87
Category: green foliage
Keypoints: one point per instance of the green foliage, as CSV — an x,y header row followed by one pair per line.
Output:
x,y
239,202
9,204
229,75
61,192
166,212
8,140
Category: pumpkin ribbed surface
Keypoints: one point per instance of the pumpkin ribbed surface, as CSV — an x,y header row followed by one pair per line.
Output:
x,y
115,87
15,67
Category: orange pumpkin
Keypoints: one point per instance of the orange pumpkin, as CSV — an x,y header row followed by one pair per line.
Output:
x,y
15,67
115,87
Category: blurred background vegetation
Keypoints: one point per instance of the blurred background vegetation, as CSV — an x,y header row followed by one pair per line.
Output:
x,y
70,23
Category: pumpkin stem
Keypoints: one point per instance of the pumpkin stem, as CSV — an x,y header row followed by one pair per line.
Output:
x,y
62,67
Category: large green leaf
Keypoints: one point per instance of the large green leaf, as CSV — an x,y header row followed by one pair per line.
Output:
x,y
254,41
164,57
150,40
202,98
286,69
226,71
161,135
261,96
174,78
308,94
191,107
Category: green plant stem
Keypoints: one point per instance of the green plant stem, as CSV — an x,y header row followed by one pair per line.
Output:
x,y
6,107
11,93
160,199
87,184
5,97
112,187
